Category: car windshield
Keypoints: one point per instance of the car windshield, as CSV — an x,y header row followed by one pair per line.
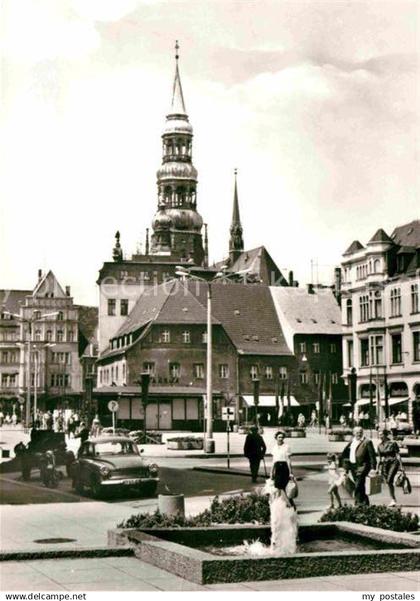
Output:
x,y
114,447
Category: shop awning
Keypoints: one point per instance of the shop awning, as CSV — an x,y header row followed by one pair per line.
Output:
x,y
268,401
392,401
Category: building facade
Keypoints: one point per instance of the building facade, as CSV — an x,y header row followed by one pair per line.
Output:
x,y
40,347
311,322
381,318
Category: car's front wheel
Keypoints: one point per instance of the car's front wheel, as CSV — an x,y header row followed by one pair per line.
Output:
x,y
149,489
95,486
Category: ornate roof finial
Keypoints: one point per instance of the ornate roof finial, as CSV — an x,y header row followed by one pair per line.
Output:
x,y
177,104
117,253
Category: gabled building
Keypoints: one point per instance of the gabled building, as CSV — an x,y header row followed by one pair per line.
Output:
x,y
40,345
381,317
311,321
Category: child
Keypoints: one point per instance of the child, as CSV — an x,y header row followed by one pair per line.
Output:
x,y
335,479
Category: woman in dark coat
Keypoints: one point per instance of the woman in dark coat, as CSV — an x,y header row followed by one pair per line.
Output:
x,y
389,462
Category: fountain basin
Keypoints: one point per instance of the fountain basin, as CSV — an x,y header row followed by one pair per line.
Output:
x,y
185,551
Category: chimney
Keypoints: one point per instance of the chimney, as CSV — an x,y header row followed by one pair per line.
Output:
x,y
291,283
39,274
67,290
337,284
310,288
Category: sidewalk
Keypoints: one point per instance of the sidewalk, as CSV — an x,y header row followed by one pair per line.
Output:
x,y
131,574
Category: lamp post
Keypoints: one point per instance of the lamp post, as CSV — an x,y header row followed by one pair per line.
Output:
x,y
184,272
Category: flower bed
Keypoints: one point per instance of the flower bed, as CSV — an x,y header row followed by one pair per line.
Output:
x,y
184,443
340,435
241,509
377,516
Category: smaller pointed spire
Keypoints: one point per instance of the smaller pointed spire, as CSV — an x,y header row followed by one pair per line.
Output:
x,y
236,243
236,219
177,104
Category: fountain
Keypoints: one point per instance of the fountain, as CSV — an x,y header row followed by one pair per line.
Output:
x,y
237,553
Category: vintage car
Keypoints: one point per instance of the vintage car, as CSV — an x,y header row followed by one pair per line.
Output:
x,y
113,462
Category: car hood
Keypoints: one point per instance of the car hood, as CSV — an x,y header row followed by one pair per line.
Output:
x,y
120,463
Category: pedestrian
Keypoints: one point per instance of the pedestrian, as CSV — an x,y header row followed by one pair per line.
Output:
x,y
1,418
389,462
71,426
83,433
49,422
360,458
76,420
96,427
60,422
254,451
342,420
14,419
313,419
301,420
393,425
281,470
7,419
335,479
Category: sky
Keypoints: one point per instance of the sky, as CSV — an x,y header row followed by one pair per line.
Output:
x,y
314,102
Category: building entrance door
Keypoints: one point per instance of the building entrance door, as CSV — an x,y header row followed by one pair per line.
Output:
x,y
165,416
152,416
158,416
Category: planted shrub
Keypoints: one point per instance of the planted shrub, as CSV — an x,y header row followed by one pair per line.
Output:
x,y
241,509
378,516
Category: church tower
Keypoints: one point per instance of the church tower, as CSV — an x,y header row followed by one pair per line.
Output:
x,y
236,241
177,225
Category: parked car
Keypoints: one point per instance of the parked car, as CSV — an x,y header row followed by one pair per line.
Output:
x,y
113,462
118,432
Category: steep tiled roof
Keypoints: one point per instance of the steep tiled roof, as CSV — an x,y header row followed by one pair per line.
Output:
x,y
248,316
300,312
12,300
408,234
171,302
88,322
259,262
354,247
380,236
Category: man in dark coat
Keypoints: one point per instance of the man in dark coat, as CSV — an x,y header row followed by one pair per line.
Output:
x,y
83,433
254,450
360,458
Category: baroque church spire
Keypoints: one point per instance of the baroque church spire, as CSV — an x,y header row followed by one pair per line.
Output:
x,y
178,103
236,242
177,225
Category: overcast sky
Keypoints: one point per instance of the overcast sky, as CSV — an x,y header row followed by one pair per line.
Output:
x,y
314,103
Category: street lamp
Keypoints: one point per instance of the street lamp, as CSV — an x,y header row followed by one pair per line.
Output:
x,y
186,273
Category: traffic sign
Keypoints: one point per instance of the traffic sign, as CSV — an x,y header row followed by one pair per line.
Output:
x,y
228,414
113,406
